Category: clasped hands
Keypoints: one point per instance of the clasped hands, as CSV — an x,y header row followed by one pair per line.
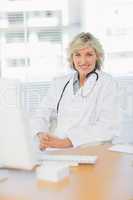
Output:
x,y
47,140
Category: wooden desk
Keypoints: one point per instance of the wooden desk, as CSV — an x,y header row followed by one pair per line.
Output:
x,y
111,178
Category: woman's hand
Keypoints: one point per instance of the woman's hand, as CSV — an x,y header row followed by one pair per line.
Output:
x,y
48,140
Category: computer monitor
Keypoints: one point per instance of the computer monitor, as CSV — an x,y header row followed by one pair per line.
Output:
x,y
16,149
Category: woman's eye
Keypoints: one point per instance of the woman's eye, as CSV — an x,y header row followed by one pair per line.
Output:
x,y
89,54
77,54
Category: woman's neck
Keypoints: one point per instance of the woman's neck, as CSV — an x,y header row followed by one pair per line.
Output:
x,y
82,80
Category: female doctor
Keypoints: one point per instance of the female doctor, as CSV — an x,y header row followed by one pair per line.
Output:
x,y
85,102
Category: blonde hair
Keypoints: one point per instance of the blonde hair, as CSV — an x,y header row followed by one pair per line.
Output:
x,y
84,40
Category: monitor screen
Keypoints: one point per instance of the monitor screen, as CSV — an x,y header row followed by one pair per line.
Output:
x,y
16,149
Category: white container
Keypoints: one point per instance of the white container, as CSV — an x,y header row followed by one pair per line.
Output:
x,y
52,171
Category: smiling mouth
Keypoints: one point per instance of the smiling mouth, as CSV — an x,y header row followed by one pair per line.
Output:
x,y
84,66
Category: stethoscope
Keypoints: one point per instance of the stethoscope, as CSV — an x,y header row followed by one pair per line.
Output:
x,y
58,104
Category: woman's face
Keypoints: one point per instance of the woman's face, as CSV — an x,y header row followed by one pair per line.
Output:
x,y
84,60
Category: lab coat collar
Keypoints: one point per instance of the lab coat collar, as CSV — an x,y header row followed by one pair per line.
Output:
x,y
89,84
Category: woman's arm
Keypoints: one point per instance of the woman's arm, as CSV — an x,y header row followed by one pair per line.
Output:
x,y
40,121
107,124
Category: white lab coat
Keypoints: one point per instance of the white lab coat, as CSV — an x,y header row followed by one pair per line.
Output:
x,y
91,115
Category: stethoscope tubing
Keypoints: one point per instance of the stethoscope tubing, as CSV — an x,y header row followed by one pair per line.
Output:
x,y
58,104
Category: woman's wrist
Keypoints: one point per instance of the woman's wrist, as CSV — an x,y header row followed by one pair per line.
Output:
x,y
67,142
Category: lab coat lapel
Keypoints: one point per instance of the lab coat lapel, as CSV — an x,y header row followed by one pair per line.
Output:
x,y
89,86
87,100
75,108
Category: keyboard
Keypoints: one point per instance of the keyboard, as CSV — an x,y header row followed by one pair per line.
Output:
x,y
80,159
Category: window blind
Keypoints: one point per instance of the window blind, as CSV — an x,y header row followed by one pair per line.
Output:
x,y
39,31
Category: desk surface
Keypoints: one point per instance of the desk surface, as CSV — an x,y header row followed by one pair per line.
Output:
x,y
111,178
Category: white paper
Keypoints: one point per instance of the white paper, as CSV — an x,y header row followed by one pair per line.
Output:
x,y
127,148
58,149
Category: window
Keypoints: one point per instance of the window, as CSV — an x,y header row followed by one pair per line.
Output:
x,y
32,41
111,22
